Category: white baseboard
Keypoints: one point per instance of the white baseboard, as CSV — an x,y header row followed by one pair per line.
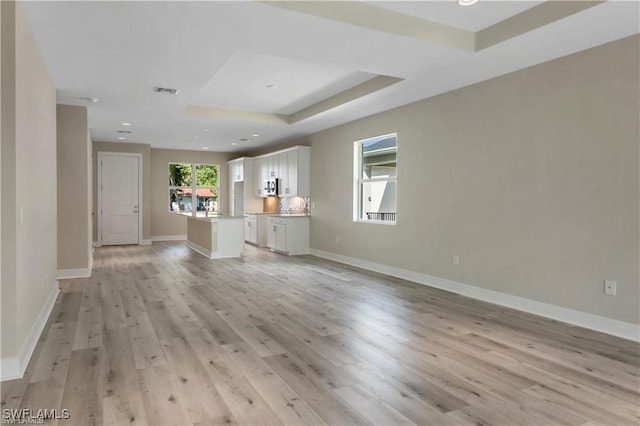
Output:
x,y
64,274
203,251
622,329
14,367
169,238
145,242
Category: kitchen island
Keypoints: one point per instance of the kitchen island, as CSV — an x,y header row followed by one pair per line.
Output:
x,y
217,236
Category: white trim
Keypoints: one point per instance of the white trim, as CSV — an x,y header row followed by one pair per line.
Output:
x,y
212,254
140,191
169,238
203,251
97,243
64,274
14,367
77,273
145,242
622,329
376,222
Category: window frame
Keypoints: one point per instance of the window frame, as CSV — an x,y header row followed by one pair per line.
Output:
x,y
359,181
194,187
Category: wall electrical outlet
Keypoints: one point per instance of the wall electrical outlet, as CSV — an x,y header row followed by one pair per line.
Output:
x,y
337,239
610,287
455,259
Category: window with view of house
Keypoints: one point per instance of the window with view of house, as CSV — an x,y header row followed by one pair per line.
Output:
x,y
193,188
375,179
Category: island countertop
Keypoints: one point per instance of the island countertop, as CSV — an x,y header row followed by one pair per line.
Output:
x,y
289,215
215,218
202,216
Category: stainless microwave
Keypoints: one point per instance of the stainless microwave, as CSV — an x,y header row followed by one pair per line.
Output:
x,y
271,186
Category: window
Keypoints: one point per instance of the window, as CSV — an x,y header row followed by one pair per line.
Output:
x,y
193,188
375,172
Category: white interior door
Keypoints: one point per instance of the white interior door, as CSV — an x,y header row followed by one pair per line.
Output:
x,y
120,204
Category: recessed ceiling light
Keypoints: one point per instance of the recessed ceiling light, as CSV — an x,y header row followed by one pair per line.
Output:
x,y
205,147
126,124
121,138
197,137
271,86
92,100
255,135
234,143
205,130
467,2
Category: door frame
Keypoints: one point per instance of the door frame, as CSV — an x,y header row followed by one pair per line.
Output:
x,y
99,189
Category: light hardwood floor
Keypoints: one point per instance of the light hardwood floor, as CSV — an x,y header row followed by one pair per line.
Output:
x,y
161,335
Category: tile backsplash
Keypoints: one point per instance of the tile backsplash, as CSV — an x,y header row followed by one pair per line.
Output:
x,y
294,205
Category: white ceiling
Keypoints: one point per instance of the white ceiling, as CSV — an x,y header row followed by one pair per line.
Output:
x,y
223,54
265,83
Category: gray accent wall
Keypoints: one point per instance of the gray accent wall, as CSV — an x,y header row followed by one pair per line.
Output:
x,y
531,178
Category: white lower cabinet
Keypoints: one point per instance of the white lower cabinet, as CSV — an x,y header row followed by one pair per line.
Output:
x,y
250,231
277,237
255,227
288,235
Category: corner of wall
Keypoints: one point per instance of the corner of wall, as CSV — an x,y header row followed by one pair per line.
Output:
x,y
14,367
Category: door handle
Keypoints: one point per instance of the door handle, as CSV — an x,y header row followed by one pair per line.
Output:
x,y
134,211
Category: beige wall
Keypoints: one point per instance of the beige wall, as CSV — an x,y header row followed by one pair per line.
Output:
x,y
199,232
2,318
157,220
29,249
531,178
163,222
74,215
9,294
143,149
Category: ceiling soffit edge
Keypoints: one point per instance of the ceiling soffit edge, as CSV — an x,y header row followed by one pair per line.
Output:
x,y
529,20
356,92
398,23
363,89
204,111
380,19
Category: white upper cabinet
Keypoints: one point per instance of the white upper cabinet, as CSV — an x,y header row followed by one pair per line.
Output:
x,y
291,166
241,187
259,175
237,169
297,182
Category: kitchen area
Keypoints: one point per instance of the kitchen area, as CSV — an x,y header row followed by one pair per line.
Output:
x,y
272,192
269,199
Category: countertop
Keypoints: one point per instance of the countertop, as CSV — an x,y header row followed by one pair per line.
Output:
x,y
289,215
211,217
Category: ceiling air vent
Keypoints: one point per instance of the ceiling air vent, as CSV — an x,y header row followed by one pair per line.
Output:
x,y
165,90
126,132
